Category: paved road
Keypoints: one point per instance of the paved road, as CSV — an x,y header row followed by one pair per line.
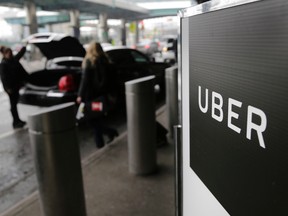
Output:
x,y
17,177
16,165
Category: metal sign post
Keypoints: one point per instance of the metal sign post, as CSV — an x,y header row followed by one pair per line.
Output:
x,y
171,80
234,67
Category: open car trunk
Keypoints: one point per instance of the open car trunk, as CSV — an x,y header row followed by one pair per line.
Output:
x,y
49,79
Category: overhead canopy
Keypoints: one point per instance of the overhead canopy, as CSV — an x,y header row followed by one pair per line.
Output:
x,y
115,9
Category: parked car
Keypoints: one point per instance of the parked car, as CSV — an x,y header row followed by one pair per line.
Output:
x,y
167,51
148,47
59,81
58,72
129,64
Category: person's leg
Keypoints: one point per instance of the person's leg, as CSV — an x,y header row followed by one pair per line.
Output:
x,y
110,132
13,98
98,134
13,106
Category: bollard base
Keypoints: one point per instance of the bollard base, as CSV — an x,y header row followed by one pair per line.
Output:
x,y
143,173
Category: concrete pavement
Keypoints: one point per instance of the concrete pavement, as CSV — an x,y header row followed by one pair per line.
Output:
x,y
111,190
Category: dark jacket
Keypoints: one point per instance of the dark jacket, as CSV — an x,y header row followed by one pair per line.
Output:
x,y
94,81
12,73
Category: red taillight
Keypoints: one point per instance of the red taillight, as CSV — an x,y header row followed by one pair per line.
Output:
x,y
66,83
147,46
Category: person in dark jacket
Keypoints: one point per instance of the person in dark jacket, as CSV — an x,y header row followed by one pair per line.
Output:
x,y
13,76
95,83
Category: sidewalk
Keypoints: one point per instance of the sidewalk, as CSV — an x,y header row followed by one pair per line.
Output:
x,y
111,190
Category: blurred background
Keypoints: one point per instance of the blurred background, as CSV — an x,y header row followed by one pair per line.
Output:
x,y
149,21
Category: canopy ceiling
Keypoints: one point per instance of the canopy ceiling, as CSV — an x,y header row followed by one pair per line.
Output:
x,y
114,8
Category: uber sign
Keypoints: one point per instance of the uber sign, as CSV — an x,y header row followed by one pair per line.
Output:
x,y
217,107
238,80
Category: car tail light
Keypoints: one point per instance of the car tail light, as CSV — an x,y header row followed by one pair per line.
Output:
x,y
66,83
147,46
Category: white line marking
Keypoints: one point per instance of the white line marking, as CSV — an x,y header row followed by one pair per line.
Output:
x,y
9,133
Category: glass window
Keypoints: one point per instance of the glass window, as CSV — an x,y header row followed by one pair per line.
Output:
x,y
33,60
120,56
138,57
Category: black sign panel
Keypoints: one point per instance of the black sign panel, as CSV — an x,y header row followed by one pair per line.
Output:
x,y
239,106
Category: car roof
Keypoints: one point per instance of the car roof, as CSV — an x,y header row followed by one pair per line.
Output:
x,y
124,54
108,48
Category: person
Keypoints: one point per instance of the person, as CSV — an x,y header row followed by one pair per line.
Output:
x,y
13,76
95,83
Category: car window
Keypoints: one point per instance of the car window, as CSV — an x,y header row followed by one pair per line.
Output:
x,y
64,63
120,56
138,57
33,59
126,56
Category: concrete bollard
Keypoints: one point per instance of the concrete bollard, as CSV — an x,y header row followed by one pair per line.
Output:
x,y
141,124
171,78
57,161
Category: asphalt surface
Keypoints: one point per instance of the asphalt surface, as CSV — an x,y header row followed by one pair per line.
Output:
x,y
17,176
110,189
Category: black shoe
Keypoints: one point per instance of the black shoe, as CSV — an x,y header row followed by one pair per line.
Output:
x,y
19,124
99,147
112,136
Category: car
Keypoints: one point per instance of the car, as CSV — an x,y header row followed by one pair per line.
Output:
x,y
148,47
59,80
167,51
129,64
57,75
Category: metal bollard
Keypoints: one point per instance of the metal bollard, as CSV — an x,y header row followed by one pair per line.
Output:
x,y
57,161
141,124
171,77
178,170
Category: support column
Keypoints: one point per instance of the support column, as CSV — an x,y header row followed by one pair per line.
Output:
x,y
123,32
21,32
75,23
49,27
31,17
137,33
103,28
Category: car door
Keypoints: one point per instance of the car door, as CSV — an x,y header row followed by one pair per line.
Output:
x,y
129,64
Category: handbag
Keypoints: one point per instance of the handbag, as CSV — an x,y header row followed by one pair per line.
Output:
x,y
96,108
